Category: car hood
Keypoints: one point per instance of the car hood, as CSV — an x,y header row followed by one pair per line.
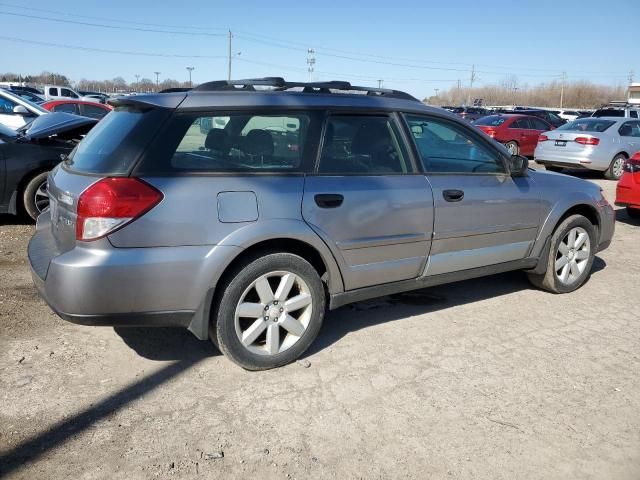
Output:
x,y
55,123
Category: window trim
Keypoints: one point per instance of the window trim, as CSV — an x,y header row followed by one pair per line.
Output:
x,y
414,167
473,134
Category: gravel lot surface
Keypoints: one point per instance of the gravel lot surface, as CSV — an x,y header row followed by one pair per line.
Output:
x,y
484,379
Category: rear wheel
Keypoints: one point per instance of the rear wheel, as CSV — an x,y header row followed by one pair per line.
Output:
x,y
513,147
553,169
270,311
570,257
633,212
616,169
35,197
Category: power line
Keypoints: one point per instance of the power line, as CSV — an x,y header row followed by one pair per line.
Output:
x,y
113,27
113,20
105,50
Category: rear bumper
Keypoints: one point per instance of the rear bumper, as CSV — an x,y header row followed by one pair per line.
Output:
x,y
628,191
589,159
124,286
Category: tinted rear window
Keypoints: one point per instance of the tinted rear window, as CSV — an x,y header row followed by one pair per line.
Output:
x,y
113,145
490,121
587,125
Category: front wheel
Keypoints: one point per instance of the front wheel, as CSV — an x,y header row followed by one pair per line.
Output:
x,y
270,311
616,169
513,147
570,258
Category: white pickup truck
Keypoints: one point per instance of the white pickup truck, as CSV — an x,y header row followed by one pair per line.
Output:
x,y
54,92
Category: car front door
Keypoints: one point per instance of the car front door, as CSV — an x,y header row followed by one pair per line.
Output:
x,y
483,216
518,132
367,201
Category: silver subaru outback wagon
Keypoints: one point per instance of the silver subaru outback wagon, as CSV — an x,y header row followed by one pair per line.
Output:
x,y
243,210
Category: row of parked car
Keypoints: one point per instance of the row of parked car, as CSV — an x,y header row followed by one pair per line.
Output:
x,y
602,141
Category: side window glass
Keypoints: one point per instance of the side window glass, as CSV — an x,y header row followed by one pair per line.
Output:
x,y
243,142
365,145
6,106
449,148
94,112
66,107
53,91
65,92
633,114
626,129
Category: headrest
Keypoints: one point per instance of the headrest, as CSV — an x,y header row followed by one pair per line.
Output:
x,y
258,142
218,140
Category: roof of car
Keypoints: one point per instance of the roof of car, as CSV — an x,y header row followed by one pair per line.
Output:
x,y
242,93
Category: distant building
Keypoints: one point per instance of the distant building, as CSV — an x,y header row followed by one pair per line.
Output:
x,y
634,93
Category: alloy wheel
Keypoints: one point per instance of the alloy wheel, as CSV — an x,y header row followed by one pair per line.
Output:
x,y
41,197
273,313
572,256
618,167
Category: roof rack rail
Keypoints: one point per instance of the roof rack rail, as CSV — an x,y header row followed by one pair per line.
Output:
x,y
279,84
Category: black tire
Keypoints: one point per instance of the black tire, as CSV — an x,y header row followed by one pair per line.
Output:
x,y
513,147
553,169
223,325
614,172
31,206
549,280
633,212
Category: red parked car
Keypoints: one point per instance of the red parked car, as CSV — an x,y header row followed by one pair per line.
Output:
x,y
519,133
78,107
628,191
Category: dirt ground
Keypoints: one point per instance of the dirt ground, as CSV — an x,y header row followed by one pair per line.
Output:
x,y
484,379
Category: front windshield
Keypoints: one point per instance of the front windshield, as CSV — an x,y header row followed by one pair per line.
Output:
x,y
587,125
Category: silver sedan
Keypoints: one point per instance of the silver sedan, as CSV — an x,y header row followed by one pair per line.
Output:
x,y
602,144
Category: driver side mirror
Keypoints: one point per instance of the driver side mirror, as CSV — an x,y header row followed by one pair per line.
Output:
x,y
518,166
20,110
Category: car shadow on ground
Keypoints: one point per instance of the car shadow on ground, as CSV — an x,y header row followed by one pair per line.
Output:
x,y
165,343
8,219
623,217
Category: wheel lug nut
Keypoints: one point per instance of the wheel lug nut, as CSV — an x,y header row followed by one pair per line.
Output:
x,y
275,302
281,309
266,319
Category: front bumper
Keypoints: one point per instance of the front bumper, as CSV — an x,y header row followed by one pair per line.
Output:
x,y
124,286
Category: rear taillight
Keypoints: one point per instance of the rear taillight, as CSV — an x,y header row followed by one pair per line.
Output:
x,y
587,140
542,138
633,164
490,131
111,203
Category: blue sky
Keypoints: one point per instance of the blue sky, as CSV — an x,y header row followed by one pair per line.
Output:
x,y
416,46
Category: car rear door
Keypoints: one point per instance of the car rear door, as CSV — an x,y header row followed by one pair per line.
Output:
x,y
483,216
368,203
518,132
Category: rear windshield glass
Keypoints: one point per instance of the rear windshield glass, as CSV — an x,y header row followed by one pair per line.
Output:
x,y
587,125
609,112
115,143
490,121
233,142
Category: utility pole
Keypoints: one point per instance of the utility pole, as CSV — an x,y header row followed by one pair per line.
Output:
x,y
471,80
157,81
229,66
311,61
437,90
190,69
630,77
564,78
380,82
137,83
